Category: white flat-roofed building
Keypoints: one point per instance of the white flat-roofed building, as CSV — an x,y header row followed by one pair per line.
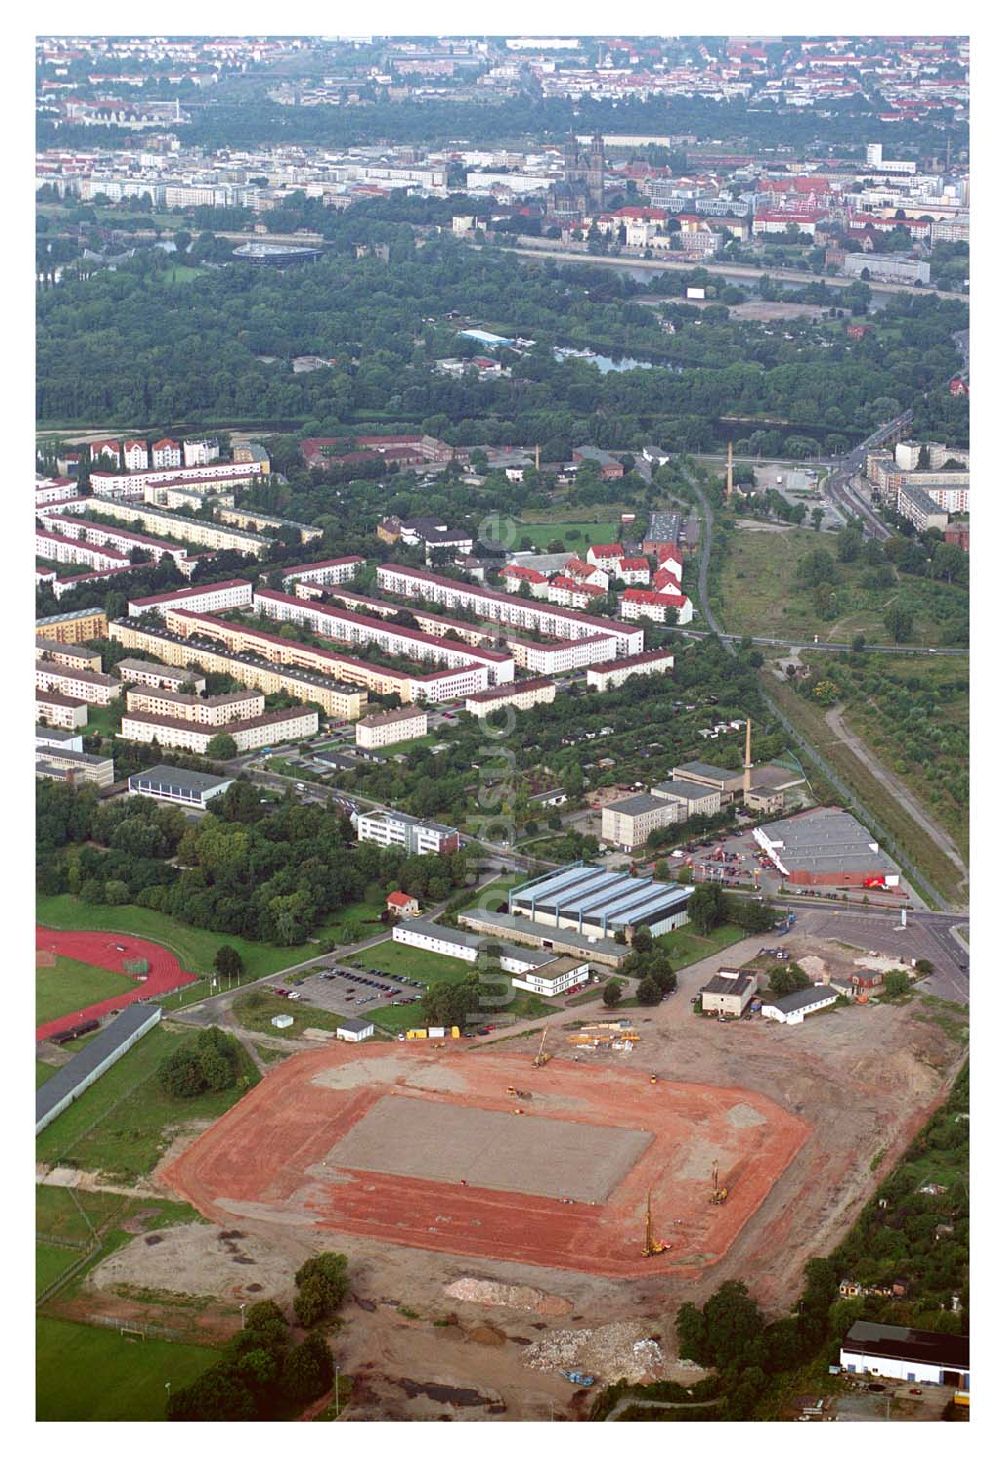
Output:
x,y
522,695
151,674
417,837
604,675
553,977
380,729
80,682
355,1030
228,594
217,711
506,609
56,738
200,453
472,949
54,710
178,786
54,762
281,725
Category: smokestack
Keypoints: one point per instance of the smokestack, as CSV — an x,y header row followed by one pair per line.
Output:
x,y
746,765
538,458
729,473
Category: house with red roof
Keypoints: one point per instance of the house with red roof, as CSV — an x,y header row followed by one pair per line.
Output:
x,y
136,456
401,904
166,453
111,449
633,570
514,575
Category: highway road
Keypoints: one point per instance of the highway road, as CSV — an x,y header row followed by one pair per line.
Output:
x,y
731,272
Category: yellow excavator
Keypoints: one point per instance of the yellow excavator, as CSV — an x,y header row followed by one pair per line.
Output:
x,y
542,1055
652,1247
719,1193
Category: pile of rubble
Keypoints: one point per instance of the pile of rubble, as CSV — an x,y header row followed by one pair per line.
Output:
x,y
505,1294
619,1350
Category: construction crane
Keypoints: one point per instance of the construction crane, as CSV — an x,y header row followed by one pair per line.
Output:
x,y
542,1055
719,1195
652,1247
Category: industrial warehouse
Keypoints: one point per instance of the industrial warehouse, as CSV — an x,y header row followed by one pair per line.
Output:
x,y
826,848
600,903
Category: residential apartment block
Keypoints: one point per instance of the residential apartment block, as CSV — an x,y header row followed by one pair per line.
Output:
x,y
102,535
229,594
59,550
398,640
54,710
72,629
604,675
506,609
326,571
192,530
77,657
216,712
80,682
522,695
167,678
268,675
281,725
380,729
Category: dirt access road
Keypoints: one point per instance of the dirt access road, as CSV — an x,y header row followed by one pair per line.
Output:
x,y
903,796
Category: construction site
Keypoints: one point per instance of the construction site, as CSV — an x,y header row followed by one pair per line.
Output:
x,y
480,1152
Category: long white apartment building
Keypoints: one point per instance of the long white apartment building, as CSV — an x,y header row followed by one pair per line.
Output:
x,y
282,725
228,594
324,572
520,695
337,699
396,640
88,686
60,550
133,483
55,489
217,711
605,675
506,609
443,685
193,530
105,536
555,657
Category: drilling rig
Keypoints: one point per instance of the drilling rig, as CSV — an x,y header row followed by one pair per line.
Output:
x,y
719,1193
542,1055
652,1247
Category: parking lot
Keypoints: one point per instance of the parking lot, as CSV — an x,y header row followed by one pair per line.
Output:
x,y
345,990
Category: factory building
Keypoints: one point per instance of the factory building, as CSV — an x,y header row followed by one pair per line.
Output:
x,y
600,903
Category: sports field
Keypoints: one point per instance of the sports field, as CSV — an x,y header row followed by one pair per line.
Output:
x,y
109,955
93,1373
195,947
66,984
429,1149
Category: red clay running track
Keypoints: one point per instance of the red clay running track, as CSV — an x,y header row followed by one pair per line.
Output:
x,y
110,951
266,1159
